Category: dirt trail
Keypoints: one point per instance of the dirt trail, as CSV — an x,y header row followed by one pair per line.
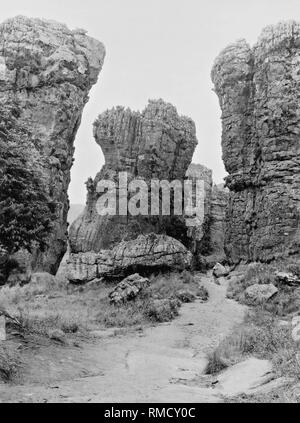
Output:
x,y
156,365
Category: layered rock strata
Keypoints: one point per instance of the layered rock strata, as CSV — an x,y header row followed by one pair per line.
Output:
x,y
47,71
144,254
155,144
258,90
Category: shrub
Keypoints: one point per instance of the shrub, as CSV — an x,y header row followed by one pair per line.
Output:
x,y
162,310
26,211
9,363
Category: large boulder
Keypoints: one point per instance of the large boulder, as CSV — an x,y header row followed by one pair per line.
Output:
x,y
258,294
143,255
48,70
258,90
128,289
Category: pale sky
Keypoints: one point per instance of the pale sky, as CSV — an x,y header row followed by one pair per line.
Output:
x,y
156,49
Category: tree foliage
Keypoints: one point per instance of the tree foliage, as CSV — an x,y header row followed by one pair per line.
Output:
x,y
26,212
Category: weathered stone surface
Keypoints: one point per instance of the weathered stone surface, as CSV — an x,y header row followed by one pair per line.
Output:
x,y
207,235
245,377
128,289
260,293
144,253
48,71
258,90
219,202
155,144
199,232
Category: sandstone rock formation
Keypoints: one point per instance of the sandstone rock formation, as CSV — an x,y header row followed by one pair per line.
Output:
x,y
146,253
219,202
208,234
199,233
258,89
154,144
48,71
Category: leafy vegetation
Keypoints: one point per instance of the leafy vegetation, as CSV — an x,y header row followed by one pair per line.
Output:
x,y
25,209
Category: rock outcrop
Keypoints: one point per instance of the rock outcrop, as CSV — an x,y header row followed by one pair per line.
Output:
x,y
219,202
199,233
48,71
259,94
155,144
142,255
207,236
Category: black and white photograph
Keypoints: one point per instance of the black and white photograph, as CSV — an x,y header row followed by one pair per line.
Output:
x,y
150,204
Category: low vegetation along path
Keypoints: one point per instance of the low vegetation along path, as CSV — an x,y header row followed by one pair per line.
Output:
x,y
159,364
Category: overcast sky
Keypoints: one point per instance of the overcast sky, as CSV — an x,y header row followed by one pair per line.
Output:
x,y
157,49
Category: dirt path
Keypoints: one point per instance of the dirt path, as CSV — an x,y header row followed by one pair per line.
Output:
x,y
156,365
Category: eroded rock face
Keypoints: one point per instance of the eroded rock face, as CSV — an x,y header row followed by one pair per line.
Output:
x,y
155,144
199,233
207,236
219,202
258,89
48,71
144,254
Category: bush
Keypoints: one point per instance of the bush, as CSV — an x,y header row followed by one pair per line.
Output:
x,y
9,363
26,211
187,277
162,310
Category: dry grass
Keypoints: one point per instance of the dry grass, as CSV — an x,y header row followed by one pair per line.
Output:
x,y
286,302
44,307
263,334
142,310
80,309
260,336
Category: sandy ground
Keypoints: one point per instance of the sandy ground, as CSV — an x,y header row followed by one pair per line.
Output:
x,y
159,364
